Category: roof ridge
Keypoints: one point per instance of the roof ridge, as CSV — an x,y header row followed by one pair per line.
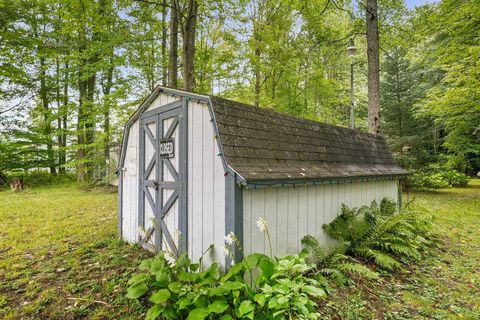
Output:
x,y
291,116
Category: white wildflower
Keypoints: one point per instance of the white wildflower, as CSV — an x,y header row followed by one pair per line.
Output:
x,y
262,225
170,257
226,251
230,238
179,234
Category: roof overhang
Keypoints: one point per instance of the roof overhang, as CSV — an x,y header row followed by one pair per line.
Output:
x,y
255,184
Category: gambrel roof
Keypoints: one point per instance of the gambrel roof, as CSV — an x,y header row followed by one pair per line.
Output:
x,y
265,146
261,144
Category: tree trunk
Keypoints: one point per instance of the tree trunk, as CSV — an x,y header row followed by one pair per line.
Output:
x,y
90,122
400,113
82,91
257,77
63,147
373,67
86,121
189,31
46,110
173,54
256,62
164,43
59,114
106,113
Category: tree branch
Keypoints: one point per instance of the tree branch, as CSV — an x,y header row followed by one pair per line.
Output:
x,y
163,5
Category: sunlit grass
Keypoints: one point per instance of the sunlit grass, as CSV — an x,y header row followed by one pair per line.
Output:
x,y
60,253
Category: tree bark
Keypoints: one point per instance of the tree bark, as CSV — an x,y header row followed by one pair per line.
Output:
x,y
46,116
164,43
256,22
63,146
82,89
256,73
189,28
107,87
400,113
373,67
59,113
173,53
90,123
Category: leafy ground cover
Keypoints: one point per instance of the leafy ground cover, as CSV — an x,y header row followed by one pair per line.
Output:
x,y
60,259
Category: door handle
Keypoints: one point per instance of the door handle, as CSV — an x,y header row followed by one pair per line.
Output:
x,y
152,184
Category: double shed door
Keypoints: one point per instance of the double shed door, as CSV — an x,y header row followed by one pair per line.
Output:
x,y
162,198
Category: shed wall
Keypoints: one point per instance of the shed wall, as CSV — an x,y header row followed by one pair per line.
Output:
x,y
130,187
293,212
206,186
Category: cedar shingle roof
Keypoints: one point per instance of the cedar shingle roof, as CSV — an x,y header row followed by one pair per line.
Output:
x,y
261,144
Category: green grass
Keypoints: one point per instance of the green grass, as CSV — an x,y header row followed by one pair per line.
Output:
x,y
60,259
444,284
59,254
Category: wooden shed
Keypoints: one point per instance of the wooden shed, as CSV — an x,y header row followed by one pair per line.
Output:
x,y
195,167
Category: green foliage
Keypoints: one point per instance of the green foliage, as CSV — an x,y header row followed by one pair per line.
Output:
x,y
436,176
447,37
39,178
256,288
335,266
408,135
378,234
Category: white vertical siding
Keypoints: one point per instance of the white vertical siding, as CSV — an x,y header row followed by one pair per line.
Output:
x,y
206,186
162,100
293,212
130,187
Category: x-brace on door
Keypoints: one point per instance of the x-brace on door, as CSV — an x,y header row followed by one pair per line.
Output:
x,y
162,202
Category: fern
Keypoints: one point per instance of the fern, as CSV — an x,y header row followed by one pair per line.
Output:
x,y
377,233
336,266
359,270
381,258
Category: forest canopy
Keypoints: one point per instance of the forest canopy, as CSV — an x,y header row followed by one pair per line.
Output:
x,y
71,72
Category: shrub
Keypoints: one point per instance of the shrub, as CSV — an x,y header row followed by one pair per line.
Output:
x,y
436,176
281,288
378,234
36,179
456,179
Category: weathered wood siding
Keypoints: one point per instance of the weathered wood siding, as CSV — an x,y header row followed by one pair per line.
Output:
x,y
130,173
293,212
206,186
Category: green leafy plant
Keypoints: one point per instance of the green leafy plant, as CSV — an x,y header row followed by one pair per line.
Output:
x,y
258,287
378,234
335,266
437,176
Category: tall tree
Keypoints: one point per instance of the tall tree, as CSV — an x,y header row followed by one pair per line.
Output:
x,y
173,53
373,54
188,12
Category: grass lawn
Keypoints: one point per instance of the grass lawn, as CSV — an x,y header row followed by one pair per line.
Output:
x,y
60,259
59,255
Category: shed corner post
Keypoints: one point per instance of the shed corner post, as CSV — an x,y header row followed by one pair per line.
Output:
x,y
120,202
234,215
183,210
